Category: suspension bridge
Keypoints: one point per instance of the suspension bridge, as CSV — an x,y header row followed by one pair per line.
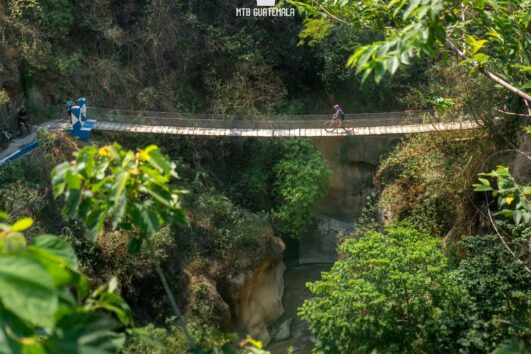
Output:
x,y
363,124
171,123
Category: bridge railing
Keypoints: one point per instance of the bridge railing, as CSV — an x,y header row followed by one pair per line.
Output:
x,y
218,121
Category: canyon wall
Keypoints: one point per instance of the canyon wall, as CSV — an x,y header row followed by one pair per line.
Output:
x,y
353,161
255,294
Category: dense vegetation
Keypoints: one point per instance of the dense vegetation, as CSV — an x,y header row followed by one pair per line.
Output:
x,y
176,55
391,292
400,289
228,215
154,233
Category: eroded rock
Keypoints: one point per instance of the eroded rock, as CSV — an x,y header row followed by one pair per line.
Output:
x,y
255,295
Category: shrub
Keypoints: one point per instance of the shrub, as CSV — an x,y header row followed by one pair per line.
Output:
x,y
171,340
499,286
427,181
227,227
390,292
301,179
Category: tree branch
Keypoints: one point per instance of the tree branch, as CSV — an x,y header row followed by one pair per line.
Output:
x,y
516,258
512,113
490,75
180,318
332,16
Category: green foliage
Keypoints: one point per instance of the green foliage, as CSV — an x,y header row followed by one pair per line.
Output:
x,y
390,292
315,30
426,180
229,228
163,341
369,219
494,32
499,287
301,178
23,190
131,189
171,340
45,305
512,346
512,197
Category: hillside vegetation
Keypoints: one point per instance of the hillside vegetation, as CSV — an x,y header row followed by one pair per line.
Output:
x,y
143,243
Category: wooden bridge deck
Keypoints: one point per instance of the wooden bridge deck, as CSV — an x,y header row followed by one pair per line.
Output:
x,y
284,132
174,123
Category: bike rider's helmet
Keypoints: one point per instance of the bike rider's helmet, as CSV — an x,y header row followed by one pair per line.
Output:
x,y
336,106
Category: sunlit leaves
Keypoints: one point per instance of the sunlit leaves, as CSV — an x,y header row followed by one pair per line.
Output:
x,y
385,57
131,189
388,292
440,104
22,224
512,198
314,31
493,31
475,44
43,299
27,290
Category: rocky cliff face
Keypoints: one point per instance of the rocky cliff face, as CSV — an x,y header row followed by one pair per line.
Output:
x,y
354,161
254,295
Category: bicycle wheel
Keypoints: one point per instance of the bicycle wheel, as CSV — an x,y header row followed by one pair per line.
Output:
x,y
330,126
347,126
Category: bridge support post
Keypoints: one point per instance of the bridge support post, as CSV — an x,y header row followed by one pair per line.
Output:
x,y
81,125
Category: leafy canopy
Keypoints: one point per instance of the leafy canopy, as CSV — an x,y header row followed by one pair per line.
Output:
x,y
499,286
301,180
487,32
131,189
390,292
513,198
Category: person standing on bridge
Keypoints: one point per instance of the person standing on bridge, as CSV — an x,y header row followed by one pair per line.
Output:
x,y
339,114
69,104
23,121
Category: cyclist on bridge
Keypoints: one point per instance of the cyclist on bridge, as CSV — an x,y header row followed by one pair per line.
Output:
x,y
339,114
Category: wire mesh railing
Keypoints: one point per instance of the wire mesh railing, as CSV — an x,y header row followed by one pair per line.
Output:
x,y
219,121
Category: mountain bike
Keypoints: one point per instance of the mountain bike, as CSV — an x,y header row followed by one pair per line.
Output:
x,y
335,123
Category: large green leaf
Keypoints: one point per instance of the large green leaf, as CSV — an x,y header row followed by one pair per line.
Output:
x,y
94,221
157,160
27,290
11,329
116,304
85,333
58,247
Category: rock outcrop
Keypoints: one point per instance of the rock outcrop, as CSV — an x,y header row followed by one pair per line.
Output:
x,y
320,244
254,295
354,161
